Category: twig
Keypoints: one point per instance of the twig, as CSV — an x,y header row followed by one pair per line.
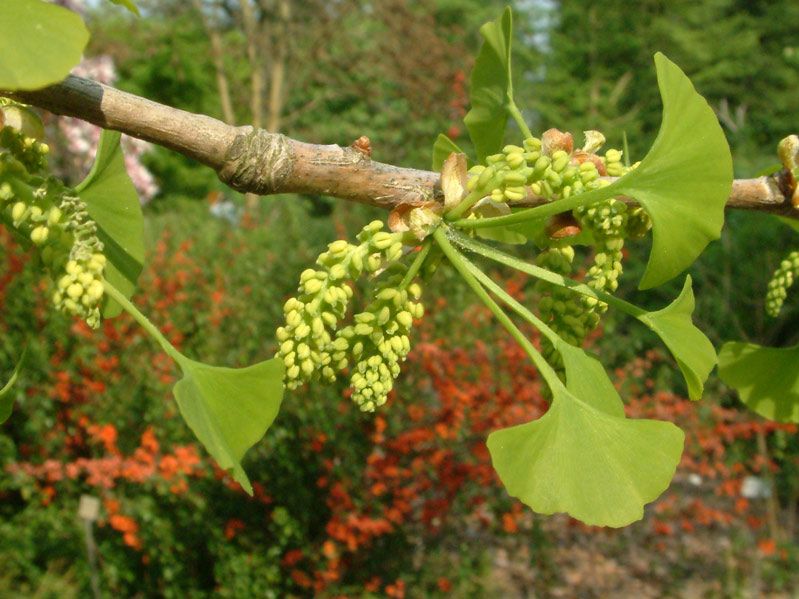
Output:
x,y
256,161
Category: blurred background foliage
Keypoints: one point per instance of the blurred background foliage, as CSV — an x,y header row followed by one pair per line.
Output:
x,y
404,503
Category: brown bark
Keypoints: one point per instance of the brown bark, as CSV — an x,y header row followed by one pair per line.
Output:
x,y
254,160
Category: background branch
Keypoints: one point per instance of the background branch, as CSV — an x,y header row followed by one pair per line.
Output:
x,y
253,160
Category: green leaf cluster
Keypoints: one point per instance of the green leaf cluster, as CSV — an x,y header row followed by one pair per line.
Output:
x,y
584,457
683,182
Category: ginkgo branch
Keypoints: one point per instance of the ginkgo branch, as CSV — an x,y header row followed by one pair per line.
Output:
x,y
257,161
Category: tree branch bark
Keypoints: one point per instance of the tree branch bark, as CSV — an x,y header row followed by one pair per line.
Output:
x,y
253,160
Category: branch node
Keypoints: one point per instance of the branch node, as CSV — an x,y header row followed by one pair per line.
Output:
x,y
363,145
257,161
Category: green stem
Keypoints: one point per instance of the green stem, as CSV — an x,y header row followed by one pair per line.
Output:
x,y
413,269
545,275
540,212
466,204
514,111
459,262
513,303
145,323
21,190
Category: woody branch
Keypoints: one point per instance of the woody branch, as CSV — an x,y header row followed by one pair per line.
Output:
x,y
256,161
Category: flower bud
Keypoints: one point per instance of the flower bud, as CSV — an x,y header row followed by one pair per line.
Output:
x,y
75,290
39,235
338,247
559,160
312,286
541,165
53,216
95,291
515,159
382,240
18,212
515,178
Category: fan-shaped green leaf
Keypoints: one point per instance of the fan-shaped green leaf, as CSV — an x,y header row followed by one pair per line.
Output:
x,y
230,409
39,43
6,397
692,350
685,179
491,87
114,205
598,468
442,148
683,182
586,378
766,378
583,457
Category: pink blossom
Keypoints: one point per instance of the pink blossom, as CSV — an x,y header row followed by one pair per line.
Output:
x,y
80,138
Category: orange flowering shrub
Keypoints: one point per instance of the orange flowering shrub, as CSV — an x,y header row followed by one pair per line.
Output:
x,y
401,503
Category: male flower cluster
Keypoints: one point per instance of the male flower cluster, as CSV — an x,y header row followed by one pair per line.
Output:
x,y
548,166
379,341
307,345
780,282
55,223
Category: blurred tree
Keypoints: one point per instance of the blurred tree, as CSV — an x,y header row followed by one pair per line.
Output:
x,y
395,71
598,70
741,55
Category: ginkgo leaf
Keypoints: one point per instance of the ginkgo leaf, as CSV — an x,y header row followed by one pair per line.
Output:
x,y
693,351
6,397
39,43
583,457
683,182
588,379
491,87
598,468
442,148
685,179
114,205
766,378
230,409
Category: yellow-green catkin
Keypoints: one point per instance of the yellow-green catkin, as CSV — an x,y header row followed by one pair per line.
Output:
x,y
557,306
378,341
782,280
307,345
609,222
55,223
